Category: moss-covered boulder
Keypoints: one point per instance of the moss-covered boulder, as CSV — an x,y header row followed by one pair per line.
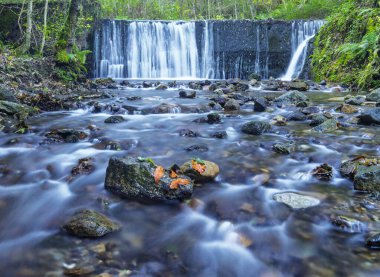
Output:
x,y
364,171
142,179
328,126
91,224
256,128
291,97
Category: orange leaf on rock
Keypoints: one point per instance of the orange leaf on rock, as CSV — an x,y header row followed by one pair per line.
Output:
x,y
158,174
200,168
177,182
173,174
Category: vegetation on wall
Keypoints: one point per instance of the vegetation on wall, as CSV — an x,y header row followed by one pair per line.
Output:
x,y
347,47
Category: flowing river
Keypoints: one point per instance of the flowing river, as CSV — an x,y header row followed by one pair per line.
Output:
x,y
231,227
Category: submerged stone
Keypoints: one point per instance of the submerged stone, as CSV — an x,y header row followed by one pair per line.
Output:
x,y
114,119
283,148
374,241
323,172
296,200
232,105
88,223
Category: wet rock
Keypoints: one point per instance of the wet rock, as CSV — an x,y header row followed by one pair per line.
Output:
x,y
91,224
283,148
329,125
374,96
187,133
219,135
195,85
232,105
373,241
85,166
214,118
356,101
187,93
317,119
114,119
347,109
296,200
211,171
365,172
296,116
370,116
134,98
367,178
197,148
12,108
323,172
310,110
67,135
162,109
302,104
297,85
256,128
261,104
278,120
254,76
162,87
7,95
133,178
291,97
147,84
347,224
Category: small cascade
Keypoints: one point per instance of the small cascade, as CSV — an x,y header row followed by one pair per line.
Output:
x,y
302,33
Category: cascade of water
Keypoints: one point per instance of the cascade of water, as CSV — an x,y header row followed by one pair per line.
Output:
x,y
302,33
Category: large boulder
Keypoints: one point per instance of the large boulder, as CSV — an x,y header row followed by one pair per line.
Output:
x,y
261,104
90,224
136,178
374,96
187,93
200,171
370,116
365,172
256,128
291,97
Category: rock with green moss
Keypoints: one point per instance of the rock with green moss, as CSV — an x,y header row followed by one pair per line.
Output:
x,y
256,128
328,126
374,96
7,95
90,224
364,171
370,116
134,178
291,97
12,108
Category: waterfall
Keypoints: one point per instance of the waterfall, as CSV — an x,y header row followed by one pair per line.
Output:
x,y
302,33
200,49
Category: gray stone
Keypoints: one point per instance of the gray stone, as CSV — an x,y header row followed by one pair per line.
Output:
x,y
296,200
11,108
367,178
371,116
187,93
374,241
260,104
374,96
291,97
283,148
357,100
329,125
298,85
232,105
91,224
7,95
114,119
256,128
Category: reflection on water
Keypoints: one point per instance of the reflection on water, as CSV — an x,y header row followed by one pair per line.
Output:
x,y
233,227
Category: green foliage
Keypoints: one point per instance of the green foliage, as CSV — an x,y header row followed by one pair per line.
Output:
x,y
347,47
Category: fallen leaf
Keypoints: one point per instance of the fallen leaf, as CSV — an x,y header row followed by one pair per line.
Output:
x,y
173,174
199,167
177,182
158,174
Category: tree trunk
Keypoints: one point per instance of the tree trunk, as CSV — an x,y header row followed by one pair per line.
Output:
x,y
45,27
67,38
29,22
